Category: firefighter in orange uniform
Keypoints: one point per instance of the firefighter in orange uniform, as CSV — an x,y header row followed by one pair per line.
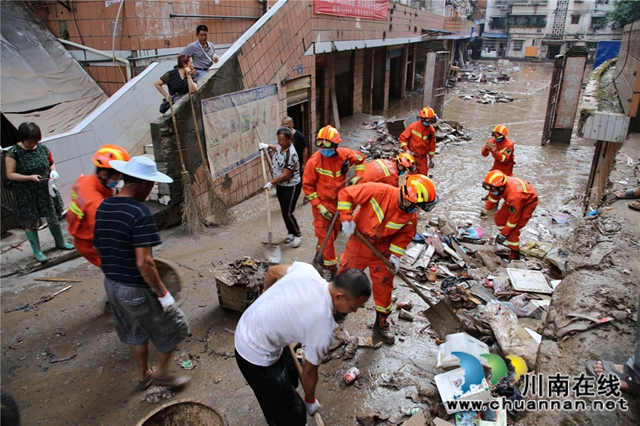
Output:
x,y
324,176
388,219
520,200
501,148
87,194
386,171
419,139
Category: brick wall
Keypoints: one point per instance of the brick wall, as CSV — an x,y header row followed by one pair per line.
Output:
x,y
358,70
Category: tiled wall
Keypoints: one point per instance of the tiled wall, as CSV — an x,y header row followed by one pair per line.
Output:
x,y
122,120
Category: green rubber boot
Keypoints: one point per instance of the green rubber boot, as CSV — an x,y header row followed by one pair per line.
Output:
x,y
32,237
56,231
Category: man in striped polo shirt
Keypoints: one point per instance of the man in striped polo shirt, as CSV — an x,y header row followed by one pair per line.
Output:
x,y
143,308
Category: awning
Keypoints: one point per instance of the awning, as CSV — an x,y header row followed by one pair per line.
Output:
x,y
38,73
494,35
436,32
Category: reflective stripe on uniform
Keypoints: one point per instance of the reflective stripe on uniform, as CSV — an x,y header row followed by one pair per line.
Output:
x,y
384,167
344,205
312,196
432,153
524,185
377,210
358,167
511,225
420,135
500,227
493,200
384,310
76,210
396,250
392,225
513,243
324,172
403,144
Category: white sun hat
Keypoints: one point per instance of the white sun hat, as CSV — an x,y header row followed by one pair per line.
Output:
x,y
142,168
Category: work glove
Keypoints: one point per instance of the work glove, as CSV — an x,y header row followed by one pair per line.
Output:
x,y
324,212
492,147
54,175
263,146
431,163
167,301
484,212
500,239
395,264
312,407
52,187
354,180
268,186
349,227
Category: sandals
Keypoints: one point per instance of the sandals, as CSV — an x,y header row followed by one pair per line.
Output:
x,y
172,381
628,194
634,205
146,384
629,376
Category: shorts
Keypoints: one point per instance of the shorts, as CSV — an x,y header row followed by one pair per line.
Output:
x,y
138,317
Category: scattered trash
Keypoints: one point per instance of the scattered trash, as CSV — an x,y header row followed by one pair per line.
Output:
x,y
511,336
433,275
460,342
188,365
525,307
61,352
409,411
474,233
58,280
351,375
450,388
579,322
405,305
529,281
557,217
405,315
155,394
537,249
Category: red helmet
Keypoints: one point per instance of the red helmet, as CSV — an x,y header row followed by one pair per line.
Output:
x,y
494,179
407,161
107,153
419,190
428,113
500,129
328,134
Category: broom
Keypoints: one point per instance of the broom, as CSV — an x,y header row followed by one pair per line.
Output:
x,y
217,207
190,216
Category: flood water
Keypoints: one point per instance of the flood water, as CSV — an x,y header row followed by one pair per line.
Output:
x,y
558,172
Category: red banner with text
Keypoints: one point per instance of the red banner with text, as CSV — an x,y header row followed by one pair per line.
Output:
x,y
365,9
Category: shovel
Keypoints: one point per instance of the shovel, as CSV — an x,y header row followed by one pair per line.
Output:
x,y
318,260
272,253
442,319
316,416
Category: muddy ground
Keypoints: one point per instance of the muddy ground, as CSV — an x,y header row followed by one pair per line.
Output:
x,y
97,386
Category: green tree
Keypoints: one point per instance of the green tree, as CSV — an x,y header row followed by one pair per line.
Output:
x,y
625,12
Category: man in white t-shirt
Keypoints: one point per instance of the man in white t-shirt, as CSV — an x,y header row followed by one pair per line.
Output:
x,y
298,307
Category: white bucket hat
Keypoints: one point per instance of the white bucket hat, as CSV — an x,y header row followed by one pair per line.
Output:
x,y
142,168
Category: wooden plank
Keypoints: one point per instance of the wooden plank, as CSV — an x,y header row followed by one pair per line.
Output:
x,y
428,255
334,108
461,252
58,280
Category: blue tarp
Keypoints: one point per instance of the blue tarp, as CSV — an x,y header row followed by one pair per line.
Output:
x,y
606,50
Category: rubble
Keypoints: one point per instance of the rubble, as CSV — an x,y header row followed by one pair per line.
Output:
x,y
487,97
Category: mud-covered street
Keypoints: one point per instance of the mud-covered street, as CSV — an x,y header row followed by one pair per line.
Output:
x,y
97,386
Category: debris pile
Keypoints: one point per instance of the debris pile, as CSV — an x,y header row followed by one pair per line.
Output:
x,y
487,97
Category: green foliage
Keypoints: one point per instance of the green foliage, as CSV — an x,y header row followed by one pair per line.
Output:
x,y
625,12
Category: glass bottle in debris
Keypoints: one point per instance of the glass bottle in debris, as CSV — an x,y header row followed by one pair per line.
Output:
x,y
351,375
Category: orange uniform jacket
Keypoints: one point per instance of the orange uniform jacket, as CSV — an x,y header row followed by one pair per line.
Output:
x,y
379,219
421,141
384,171
322,177
503,157
519,196
87,194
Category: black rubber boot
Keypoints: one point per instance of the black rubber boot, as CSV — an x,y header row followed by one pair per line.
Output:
x,y
514,255
382,328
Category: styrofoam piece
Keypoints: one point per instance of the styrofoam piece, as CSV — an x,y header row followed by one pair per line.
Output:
x,y
529,281
537,336
450,388
460,342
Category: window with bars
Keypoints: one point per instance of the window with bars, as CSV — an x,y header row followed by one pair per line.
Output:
x,y
517,44
575,19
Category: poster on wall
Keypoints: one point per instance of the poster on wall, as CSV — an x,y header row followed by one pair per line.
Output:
x,y
228,126
364,9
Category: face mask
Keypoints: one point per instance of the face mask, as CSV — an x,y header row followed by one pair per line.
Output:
x,y
499,139
425,123
328,152
111,184
495,193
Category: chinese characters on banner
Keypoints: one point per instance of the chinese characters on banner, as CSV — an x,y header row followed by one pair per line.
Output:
x,y
365,9
570,96
228,126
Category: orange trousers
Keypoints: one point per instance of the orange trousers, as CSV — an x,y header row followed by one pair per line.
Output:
x,y
358,256
422,163
513,239
321,226
85,248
